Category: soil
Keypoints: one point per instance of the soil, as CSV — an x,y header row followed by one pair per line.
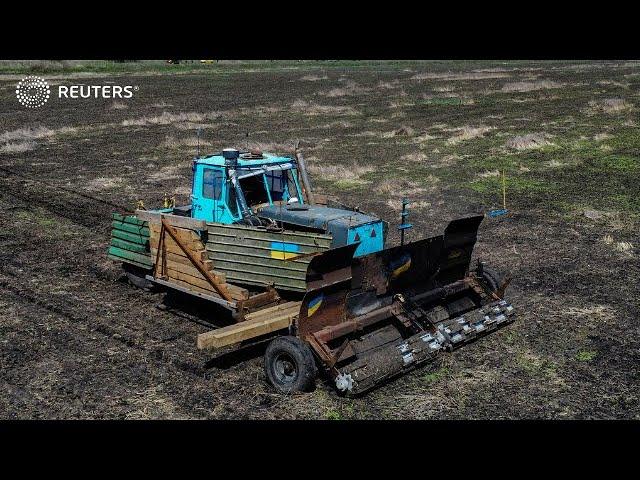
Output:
x,y
77,341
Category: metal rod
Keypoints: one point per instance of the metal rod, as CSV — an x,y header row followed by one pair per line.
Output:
x,y
303,175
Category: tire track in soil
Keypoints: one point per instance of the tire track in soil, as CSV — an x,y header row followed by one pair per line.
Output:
x,y
100,327
80,344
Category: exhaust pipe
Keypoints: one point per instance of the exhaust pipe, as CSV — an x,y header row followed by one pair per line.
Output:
x,y
303,175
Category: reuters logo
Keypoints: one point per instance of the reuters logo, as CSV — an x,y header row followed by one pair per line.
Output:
x,y
33,92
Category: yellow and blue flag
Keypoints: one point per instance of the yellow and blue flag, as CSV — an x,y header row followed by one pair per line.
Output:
x,y
284,251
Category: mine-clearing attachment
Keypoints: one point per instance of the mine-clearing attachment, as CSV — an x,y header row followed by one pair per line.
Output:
x,y
371,318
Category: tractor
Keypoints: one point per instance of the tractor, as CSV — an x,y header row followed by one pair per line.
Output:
x,y
310,276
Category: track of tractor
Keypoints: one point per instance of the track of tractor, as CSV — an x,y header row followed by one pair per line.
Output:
x,y
158,350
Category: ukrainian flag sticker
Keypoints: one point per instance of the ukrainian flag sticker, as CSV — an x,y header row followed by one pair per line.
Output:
x,y
314,304
401,265
284,251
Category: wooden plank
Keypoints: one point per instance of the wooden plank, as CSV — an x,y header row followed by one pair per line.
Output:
x,y
127,227
276,309
197,262
180,288
132,247
173,220
179,252
246,330
130,237
237,293
189,269
234,292
192,244
189,287
198,281
184,233
126,255
264,298
120,259
181,259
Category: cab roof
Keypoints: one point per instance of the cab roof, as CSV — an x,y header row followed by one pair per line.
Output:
x,y
217,160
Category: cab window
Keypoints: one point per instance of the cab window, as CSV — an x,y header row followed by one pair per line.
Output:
x,y
276,184
212,184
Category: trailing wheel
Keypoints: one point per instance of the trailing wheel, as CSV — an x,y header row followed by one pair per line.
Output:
x,y
290,365
492,279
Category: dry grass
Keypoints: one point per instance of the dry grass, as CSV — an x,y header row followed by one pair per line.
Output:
x,y
623,247
172,142
460,76
167,118
118,106
489,174
528,142
283,148
417,157
403,131
530,86
468,133
313,78
25,134
349,89
602,136
18,147
400,187
389,85
349,173
152,404
614,83
162,104
313,109
104,183
594,314
23,139
610,105
170,172
337,124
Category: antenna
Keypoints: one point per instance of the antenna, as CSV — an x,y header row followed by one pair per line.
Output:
x,y
199,131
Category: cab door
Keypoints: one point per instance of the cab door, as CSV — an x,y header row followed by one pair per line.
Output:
x,y
208,194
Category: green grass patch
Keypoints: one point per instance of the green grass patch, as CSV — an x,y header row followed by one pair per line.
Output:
x,y
42,222
535,365
493,185
332,414
620,163
436,375
586,355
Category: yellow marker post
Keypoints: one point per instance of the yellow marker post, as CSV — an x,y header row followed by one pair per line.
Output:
x,y
504,191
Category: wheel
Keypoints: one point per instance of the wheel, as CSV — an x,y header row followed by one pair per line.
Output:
x,y
492,279
136,277
289,365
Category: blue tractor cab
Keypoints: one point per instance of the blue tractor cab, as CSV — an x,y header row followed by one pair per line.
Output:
x,y
256,189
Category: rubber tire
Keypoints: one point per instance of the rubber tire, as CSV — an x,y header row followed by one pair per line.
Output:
x,y
492,279
135,275
298,351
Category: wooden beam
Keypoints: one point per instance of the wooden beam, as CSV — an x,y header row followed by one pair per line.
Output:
x,y
177,251
173,220
246,330
197,262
